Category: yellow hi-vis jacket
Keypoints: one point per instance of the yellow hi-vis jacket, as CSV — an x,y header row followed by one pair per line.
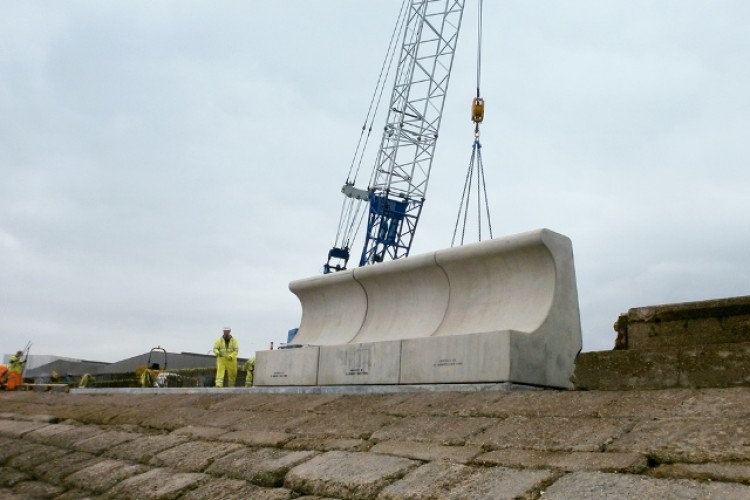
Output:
x,y
16,364
221,350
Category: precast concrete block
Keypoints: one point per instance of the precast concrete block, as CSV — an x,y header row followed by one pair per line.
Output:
x,y
503,310
333,308
368,363
298,366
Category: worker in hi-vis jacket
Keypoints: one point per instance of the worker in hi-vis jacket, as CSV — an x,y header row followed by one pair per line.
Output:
x,y
226,350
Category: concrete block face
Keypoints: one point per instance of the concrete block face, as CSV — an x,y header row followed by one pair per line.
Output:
x,y
716,365
458,358
622,370
355,364
287,367
690,323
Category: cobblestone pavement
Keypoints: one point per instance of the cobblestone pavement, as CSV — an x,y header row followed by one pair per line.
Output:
x,y
664,444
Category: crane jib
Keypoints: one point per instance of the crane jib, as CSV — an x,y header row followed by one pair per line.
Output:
x,y
397,187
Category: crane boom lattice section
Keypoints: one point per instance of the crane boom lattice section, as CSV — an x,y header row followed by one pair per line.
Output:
x,y
402,168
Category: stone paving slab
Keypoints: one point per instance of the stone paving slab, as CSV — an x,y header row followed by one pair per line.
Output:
x,y
199,432
501,483
9,477
157,484
525,443
567,461
33,454
144,447
598,485
103,475
103,441
352,425
432,480
427,451
731,472
37,489
257,438
55,470
727,403
63,435
264,467
273,421
448,431
553,433
328,444
193,456
689,440
235,489
341,474
17,428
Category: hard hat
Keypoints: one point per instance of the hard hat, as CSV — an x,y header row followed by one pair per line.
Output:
x,y
227,329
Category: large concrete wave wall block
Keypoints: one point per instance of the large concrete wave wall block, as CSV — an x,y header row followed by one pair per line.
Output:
x,y
333,308
504,310
512,315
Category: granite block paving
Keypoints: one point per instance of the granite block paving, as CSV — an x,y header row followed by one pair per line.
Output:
x,y
17,428
341,474
157,484
64,435
193,456
689,440
264,467
37,489
145,447
199,432
731,472
566,461
352,425
327,444
553,433
432,480
55,470
32,454
234,489
448,431
105,440
252,437
427,451
598,485
9,477
502,483
103,475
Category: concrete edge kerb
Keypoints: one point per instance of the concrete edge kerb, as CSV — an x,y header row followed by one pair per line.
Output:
x,y
340,389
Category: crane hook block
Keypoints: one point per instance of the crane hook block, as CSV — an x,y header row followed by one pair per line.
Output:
x,y
477,110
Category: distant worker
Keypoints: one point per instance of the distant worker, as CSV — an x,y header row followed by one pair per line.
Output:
x,y
3,376
249,372
226,350
15,371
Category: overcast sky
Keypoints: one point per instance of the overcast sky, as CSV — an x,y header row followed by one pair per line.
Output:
x,y
167,168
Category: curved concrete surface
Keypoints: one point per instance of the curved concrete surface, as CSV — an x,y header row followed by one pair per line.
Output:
x,y
405,299
502,284
333,308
